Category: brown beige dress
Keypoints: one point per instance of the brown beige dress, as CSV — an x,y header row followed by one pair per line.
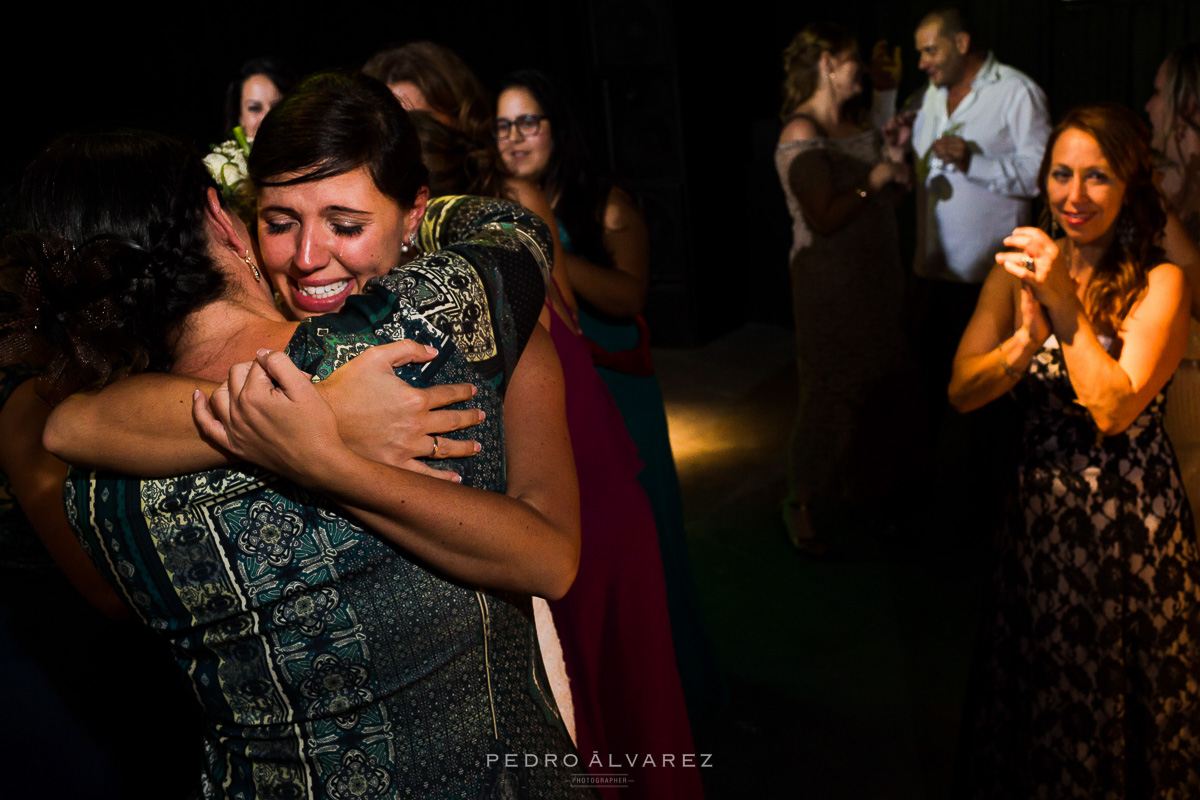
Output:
x,y
847,297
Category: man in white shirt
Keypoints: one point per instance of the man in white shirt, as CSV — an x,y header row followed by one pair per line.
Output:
x,y
977,142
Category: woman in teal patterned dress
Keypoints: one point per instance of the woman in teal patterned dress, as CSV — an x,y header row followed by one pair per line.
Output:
x,y
336,650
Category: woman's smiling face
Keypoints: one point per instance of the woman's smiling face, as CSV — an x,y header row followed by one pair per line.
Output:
x,y
321,241
1084,192
524,155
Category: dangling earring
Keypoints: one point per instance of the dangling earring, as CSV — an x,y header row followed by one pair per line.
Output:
x,y
253,268
410,245
1055,231
1126,232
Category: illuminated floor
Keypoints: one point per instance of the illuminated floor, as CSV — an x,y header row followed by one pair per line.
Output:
x,y
846,675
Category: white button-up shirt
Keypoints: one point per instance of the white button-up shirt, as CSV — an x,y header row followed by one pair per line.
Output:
x,y
963,218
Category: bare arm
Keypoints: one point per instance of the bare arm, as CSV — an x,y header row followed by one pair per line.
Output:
x,y
37,484
525,541
619,290
994,352
143,425
1153,336
811,182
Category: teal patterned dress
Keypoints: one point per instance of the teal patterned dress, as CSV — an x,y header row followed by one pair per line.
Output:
x,y
329,663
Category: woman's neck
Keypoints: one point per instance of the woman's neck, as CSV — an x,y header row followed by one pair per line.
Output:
x,y
225,332
825,109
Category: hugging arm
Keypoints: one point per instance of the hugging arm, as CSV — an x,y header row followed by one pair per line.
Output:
x,y
143,425
36,479
526,540
997,346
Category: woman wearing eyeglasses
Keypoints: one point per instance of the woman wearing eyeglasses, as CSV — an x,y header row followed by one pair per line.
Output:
x,y
606,260
613,623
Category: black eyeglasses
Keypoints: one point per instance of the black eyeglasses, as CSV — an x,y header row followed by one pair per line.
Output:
x,y
527,124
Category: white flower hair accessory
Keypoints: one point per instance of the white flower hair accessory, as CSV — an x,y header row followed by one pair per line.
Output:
x,y
227,163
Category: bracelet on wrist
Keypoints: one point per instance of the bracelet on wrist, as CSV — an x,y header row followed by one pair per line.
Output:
x,y
1008,368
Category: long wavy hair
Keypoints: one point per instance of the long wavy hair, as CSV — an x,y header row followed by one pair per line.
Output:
x,y
801,61
449,85
457,163
111,257
1181,97
1119,279
462,157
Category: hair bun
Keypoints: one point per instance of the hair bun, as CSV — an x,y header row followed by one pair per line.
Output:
x,y
61,309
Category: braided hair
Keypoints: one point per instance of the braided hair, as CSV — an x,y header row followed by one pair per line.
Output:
x,y
110,257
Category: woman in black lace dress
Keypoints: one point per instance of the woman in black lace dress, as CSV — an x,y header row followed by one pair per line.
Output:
x,y
1089,686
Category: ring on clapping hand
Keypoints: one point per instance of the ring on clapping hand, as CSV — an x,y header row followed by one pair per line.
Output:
x,y
435,448
1027,262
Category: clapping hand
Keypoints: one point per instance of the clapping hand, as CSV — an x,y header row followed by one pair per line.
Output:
x,y
1039,265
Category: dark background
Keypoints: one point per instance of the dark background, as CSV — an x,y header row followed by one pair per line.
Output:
x,y
681,104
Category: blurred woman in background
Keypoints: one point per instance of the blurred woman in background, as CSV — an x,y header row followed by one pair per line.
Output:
x,y
259,85
607,260
847,289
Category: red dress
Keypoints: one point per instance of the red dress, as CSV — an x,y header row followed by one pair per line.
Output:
x,y
613,623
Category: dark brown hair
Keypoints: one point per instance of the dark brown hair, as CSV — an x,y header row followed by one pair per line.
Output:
x,y
333,123
112,257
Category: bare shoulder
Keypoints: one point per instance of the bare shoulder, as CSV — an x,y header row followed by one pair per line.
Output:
x,y
799,129
620,210
1167,295
1167,277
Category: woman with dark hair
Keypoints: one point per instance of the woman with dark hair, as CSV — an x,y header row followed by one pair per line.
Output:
x,y
606,258
252,93
1090,681
330,659
847,290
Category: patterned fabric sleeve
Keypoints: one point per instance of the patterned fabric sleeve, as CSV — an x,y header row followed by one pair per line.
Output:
x,y
482,278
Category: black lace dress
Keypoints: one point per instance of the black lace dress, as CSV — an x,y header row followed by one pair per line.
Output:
x,y
1089,684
